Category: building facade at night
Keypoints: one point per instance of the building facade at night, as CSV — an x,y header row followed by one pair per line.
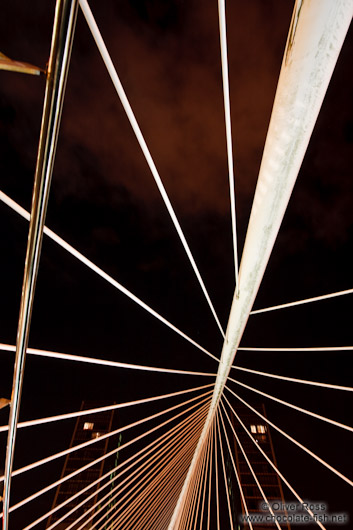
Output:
x,y
87,427
266,475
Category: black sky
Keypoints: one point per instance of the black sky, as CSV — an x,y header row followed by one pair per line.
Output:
x,y
104,202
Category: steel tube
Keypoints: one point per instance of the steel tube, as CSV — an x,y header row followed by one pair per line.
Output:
x,y
60,52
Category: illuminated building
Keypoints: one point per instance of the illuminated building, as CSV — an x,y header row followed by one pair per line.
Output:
x,y
266,475
87,427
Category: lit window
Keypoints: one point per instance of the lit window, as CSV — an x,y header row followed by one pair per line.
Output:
x,y
253,428
261,429
96,434
87,426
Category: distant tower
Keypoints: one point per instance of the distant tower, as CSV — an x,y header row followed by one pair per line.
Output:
x,y
87,428
266,475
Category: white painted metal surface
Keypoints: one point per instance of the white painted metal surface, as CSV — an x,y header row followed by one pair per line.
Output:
x,y
315,38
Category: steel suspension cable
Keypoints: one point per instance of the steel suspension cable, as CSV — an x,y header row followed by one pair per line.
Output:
x,y
293,379
145,451
300,302
87,466
295,407
170,506
216,472
210,478
152,514
96,440
205,481
258,446
180,477
202,484
114,518
255,477
186,511
224,472
173,461
190,445
155,513
308,451
131,117
103,362
138,505
318,348
79,413
12,204
230,452
192,512
228,123
152,448
141,469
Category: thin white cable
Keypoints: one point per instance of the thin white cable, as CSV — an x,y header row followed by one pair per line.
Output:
x,y
295,407
224,473
154,485
300,302
189,439
94,440
196,480
228,123
210,479
203,484
79,413
145,451
140,484
302,502
236,474
134,507
131,117
190,507
17,208
294,380
152,447
169,477
94,462
319,348
323,462
178,522
178,456
255,477
216,473
103,362
186,507
196,489
154,511
205,481
170,506
181,475
162,440
141,469
167,512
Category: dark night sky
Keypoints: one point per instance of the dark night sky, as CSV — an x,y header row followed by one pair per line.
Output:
x,y
105,203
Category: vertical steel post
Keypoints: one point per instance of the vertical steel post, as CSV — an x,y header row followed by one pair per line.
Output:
x,y
60,52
